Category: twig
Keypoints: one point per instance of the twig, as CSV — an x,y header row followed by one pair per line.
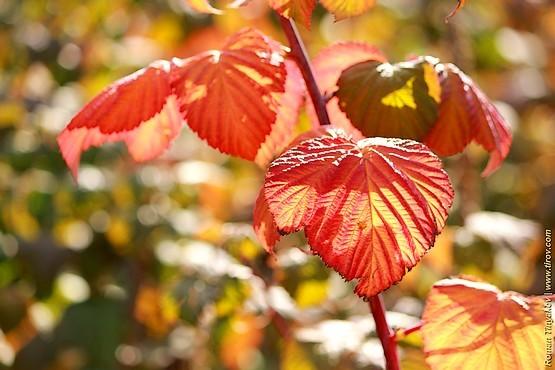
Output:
x,y
401,333
298,52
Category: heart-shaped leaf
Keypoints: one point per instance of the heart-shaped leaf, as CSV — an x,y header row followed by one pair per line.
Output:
x,y
370,209
473,325
390,100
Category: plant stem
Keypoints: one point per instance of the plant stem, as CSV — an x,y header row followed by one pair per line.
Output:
x,y
408,331
385,333
298,52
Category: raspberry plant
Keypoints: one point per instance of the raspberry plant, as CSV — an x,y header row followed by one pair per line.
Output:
x,y
366,185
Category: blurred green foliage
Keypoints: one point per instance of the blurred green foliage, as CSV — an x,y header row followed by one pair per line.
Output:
x,y
156,266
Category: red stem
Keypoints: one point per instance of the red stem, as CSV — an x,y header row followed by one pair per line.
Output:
x,y
385,333
412,329
298,52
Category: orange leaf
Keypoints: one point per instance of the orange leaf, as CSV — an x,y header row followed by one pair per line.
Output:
x,y
263,224
342,9
329,64
473,325
139,109
370,209
287,117
300,10
230,97
465,114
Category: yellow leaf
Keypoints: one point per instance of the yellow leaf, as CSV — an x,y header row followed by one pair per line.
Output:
x,y
347,8
471,325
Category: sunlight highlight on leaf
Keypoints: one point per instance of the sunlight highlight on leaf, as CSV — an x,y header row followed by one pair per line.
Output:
x,y
370,209
470,325
466,114
342,9
390,100
139,109
242,86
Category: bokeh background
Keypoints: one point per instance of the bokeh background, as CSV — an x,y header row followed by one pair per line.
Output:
x,y
155,266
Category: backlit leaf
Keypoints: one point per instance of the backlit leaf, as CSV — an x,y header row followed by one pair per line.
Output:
x,y
390,100
466,114
300,10
139,109
370,209
347,8
230,97
263,224
329,64
473,325
287,116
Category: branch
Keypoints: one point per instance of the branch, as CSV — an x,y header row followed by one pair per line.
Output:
x,y
387,336
401,333
298,53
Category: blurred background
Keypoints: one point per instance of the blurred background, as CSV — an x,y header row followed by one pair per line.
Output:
x,y
155,266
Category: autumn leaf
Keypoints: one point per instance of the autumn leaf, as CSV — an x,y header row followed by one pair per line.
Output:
x,y
342,9
283,130
370,209
230,97
139,109
263,223
300,10
328,65
466,114
473,325
390,100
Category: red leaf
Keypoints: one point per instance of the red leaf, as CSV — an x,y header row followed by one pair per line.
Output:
x,y
370,209
139,109
300,10
263,224
465,114
329,64
230,97
473,325
283,131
